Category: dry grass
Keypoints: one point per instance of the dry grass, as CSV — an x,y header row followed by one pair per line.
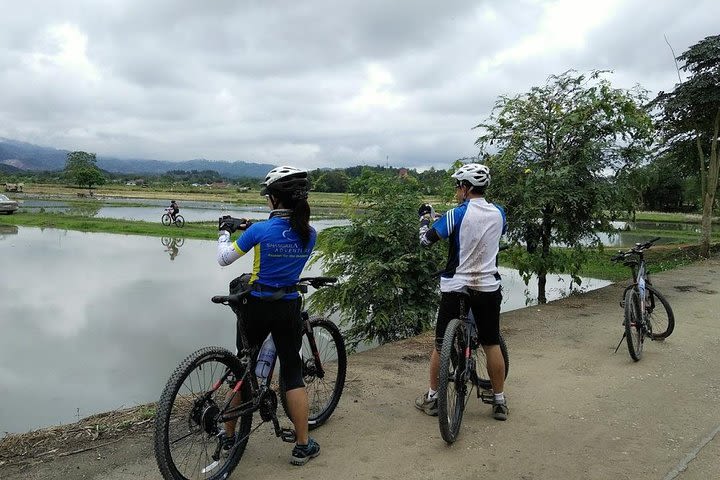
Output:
x,y
64,440
200,194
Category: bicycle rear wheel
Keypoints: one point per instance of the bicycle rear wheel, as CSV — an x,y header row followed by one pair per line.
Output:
x,y
660,317
187,430
166,220
453,390
323,391
634,332
481,362
179,221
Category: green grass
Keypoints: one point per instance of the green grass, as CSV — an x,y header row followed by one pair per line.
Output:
x,y
669,217
201,230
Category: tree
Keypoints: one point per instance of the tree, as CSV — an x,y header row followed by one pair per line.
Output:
x,y
691,114
554,146
335,181
81,168
388,290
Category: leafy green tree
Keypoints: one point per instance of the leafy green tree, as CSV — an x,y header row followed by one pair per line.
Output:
x,y
553,147
388,290
81,168
335,181
691,114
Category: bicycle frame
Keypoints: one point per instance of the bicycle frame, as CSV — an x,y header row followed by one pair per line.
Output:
x,y
472,345
258,390
640,280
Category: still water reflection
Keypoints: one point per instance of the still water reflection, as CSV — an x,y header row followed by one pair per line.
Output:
x,y
191,211
91,322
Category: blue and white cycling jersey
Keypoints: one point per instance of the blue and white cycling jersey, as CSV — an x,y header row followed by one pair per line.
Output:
x,y
279,253
474,229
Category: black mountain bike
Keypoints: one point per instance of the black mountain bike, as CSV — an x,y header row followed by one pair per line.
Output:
x,y
203,391
647,312
462,366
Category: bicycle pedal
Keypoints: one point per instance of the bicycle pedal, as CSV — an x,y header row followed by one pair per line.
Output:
x,y
287,435
487,396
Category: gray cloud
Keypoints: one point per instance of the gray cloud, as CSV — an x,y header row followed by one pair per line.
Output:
x,y
315,83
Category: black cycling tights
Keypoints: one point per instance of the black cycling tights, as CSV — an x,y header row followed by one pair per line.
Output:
x,y
485,308
282,319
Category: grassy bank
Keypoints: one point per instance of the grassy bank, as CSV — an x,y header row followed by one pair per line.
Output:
x,y
18,449
668,217
201,194
201,230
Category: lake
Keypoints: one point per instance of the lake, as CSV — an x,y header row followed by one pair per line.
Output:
x,y
191,211
93,322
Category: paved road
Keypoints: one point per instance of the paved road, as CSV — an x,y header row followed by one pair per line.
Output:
x,y
578,410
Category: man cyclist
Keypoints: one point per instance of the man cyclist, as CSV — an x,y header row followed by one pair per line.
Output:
x,y
474,229
282,246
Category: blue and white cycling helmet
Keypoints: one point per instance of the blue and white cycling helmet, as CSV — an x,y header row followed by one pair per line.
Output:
x,y
475,174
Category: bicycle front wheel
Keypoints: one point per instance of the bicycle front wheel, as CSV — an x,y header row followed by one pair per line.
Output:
x,y
453,390
179,221
634,331
481,362
166,220
659,315
188,433
323,389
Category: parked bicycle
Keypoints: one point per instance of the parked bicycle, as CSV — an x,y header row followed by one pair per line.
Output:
x,y
462,366
643,316
199,396
167,218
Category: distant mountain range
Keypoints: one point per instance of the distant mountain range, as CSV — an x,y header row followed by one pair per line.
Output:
x,y
15,156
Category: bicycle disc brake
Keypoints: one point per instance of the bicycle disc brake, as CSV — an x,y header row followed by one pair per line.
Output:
x,y
204,414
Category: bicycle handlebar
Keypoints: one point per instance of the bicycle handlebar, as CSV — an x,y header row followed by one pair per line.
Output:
x,y
315,282
636,250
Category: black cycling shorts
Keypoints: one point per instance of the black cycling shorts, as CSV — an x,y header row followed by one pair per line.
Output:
x,y
485,308
282,319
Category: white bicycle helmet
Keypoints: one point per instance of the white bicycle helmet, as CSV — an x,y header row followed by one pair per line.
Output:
x,y
285,180
475,174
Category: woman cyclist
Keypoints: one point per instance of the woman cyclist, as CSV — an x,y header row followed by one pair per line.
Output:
x,y
282,246
174,209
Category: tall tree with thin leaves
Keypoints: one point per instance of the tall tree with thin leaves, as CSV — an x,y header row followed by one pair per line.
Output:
x,y
690,114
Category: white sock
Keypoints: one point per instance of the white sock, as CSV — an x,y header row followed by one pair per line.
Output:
x,y
500,397
432,393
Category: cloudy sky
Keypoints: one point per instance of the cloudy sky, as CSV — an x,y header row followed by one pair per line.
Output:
x,y
311,83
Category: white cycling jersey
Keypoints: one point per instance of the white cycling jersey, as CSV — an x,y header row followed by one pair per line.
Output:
x,y
474,229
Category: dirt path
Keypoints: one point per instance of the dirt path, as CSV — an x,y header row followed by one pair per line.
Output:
x,y
578,411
